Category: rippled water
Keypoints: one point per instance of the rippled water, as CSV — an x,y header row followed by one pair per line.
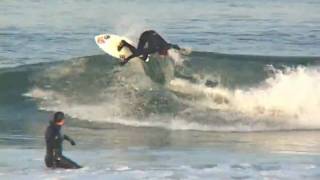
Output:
x,y
36,31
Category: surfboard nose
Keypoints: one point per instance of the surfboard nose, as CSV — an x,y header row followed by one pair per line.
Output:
x,y
100,39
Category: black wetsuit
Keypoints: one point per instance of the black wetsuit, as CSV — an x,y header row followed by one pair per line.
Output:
x,y
54,157
149,42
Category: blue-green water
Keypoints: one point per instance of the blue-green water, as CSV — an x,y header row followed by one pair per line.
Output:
x,y
159,120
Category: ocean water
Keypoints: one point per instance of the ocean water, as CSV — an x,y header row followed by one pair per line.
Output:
x,y
159,120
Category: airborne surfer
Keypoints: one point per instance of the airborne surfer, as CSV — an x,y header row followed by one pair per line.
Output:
x,y
149,42
54,139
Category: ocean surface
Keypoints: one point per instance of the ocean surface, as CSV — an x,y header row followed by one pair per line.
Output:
x,y
257,118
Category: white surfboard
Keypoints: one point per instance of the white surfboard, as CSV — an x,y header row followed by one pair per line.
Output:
x,y
109,44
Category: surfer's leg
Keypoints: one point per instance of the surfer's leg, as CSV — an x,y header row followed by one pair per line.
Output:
x,y
148,38
140,50
144,57
174,46
48,161
135,52
145,54
124,43
67,163
142,41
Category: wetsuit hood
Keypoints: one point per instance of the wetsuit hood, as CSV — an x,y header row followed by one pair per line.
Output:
x,y
58,116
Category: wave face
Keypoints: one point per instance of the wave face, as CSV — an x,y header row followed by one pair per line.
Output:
x,y
250,93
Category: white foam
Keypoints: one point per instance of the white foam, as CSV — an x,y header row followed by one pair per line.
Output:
x,y
291,96
289,99
294,92
111,112
206,96
176,57
122,168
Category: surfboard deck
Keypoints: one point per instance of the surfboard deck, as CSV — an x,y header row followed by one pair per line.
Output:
x,y
109,44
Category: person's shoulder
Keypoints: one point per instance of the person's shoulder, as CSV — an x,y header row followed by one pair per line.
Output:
x,y
50,128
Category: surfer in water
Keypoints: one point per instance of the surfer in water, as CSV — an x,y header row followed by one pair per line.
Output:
x,y
149,42
54,140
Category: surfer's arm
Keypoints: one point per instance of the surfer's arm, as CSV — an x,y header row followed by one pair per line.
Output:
x,y
69,139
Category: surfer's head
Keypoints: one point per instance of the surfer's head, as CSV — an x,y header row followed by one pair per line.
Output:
x,y
58,118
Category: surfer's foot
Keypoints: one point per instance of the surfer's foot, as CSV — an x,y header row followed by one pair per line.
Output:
x,y
120,46
147,59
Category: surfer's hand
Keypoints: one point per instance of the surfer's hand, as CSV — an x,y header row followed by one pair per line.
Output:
x,y
175,46
72,142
